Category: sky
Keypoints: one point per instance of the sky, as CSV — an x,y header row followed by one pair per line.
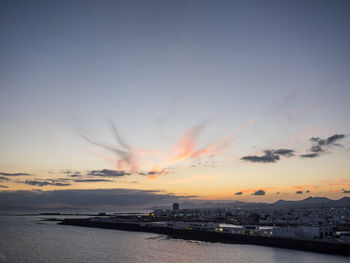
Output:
x,y
136,103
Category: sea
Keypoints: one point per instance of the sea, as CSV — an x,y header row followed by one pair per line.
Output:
x,y
27,238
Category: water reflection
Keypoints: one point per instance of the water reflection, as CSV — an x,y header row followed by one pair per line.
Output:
x,y
22,239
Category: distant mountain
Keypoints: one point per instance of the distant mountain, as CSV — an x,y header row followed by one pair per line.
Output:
x,y
310,202
207,205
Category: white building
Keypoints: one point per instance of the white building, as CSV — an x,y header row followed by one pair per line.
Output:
x,y
304,231
345,237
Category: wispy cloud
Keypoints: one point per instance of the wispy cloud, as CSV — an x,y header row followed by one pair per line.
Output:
x,y
45,183
126,158
66,171
337,182
306,186
76,177
186,145
107,173
221,144
91,180
185,149
309,155
71,173
89,198
14,174
155,174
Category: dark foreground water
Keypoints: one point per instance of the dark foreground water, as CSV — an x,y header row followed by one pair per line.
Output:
x,y
27,239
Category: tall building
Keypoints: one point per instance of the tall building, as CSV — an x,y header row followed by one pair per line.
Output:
x,y
175,206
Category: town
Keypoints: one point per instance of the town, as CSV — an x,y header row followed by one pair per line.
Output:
x,y
331,223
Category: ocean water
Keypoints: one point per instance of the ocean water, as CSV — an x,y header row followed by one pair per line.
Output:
x,y
28,239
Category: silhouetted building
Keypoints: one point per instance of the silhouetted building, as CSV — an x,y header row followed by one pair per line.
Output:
x,y
175,206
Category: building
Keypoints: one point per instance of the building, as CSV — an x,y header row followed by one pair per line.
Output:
x,y
304,231
175,206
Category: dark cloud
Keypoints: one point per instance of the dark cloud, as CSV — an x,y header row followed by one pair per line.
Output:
x,y
318,140
284,152
77,174
299,192
91,180
334,138
2,178
259,192
321,145
44,183
309,155
14,174
307,191
71,173
88,197
62,181
59,180
107,173
239,193
4,186
346,191
316,149
278,193
270,156
152,173
66,171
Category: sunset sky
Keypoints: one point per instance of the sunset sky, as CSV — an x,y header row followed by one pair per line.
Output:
x,y
173,100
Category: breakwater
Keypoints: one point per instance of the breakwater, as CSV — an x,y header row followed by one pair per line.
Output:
x,y
318,246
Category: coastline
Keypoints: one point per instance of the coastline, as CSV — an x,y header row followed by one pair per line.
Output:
x,y
318,246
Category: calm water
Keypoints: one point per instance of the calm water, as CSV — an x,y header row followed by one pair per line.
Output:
x,y
27,239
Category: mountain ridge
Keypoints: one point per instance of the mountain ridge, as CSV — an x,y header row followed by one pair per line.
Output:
x,y
310,202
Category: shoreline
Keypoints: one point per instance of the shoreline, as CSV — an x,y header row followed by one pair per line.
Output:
x,y
318,246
